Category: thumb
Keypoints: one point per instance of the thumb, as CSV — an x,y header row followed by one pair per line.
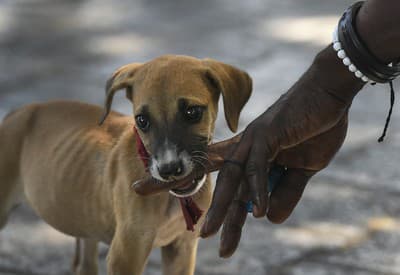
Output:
x,y
287,194
218,152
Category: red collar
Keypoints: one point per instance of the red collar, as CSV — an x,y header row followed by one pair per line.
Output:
x,y
191,212
144,155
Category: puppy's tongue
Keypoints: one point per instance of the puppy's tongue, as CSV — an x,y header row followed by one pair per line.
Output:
x,y
191,212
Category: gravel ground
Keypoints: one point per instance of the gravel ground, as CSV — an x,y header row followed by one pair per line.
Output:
x,y
347,222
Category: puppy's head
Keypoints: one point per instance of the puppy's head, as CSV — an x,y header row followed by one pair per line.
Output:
x,y
175,104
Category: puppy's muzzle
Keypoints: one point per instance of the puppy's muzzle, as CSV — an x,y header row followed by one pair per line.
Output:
x,y
170,165
171,169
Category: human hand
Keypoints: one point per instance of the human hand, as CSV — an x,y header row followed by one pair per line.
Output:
x,y
301,131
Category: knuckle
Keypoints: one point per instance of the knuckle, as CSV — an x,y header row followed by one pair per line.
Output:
x,y
271,148
230,171
247,134
238,204
251,128
256,131
251,168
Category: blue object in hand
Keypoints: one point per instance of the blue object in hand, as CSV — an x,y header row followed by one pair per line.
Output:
x,y
274,176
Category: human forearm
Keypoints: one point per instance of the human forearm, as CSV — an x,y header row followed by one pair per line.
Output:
x,y
330,75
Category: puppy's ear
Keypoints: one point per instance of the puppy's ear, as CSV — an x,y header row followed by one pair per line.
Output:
x,y
235,86
120,79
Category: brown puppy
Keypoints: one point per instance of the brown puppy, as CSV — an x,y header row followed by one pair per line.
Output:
x,y
77,175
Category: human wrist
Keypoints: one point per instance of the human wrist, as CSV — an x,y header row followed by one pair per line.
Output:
x,y
328,72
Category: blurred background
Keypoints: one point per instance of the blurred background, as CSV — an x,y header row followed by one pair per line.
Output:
x,y
347,222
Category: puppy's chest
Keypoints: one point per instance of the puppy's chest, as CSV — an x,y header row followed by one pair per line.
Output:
x,y
172,226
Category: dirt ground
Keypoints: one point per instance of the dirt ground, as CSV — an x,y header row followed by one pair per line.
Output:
x,y
348,221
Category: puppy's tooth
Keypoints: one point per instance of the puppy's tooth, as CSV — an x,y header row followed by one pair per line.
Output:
x,y
135,183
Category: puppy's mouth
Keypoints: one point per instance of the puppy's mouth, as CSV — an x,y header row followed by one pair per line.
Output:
x,y
190,188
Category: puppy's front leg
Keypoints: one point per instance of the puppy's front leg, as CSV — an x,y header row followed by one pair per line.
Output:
x,y
86,265
129,251
179,257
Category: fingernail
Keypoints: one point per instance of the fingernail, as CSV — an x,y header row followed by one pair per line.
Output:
x,y
258,212
203,231
223,253
225,249
257,201
256,206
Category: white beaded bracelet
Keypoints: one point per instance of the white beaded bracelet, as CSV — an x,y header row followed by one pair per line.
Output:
x,y
345,59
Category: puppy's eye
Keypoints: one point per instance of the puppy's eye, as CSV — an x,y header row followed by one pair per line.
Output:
x,y
194,113
142,122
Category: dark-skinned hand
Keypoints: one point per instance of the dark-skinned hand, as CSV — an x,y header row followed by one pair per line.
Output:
x,y
302,131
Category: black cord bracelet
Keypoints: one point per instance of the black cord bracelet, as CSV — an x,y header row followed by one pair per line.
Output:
x,y
359,59
358,52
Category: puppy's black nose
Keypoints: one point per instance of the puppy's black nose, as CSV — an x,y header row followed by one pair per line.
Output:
x,y
170,169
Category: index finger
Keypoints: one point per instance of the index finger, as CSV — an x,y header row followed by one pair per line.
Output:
x,y
234,221
226,187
